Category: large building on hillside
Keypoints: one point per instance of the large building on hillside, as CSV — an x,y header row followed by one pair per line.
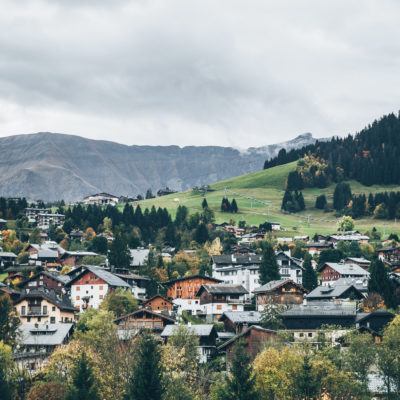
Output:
x,y
101,199
183,292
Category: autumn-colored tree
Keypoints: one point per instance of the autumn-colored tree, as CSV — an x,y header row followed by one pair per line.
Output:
x,y
89,234
120,302
47,390
9,321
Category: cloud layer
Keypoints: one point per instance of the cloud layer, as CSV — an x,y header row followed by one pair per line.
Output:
x,y
224,72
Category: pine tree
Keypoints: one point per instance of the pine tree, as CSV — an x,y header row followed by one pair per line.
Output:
x,y
201,234
380,282
310,280
234,207
240,385
5,387
119,255
145,383
204,204
269,270
83,381
306,381
320,203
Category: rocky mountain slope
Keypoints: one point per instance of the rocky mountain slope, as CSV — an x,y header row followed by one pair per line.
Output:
x,y
52,166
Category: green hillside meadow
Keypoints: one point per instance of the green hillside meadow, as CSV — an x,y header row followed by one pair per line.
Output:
x,y
268,186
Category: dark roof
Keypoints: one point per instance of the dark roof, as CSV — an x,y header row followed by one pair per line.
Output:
x,y
270,286
320,308
20,268
64,279
335,290
106,276
236,259
63,303
389,248
319,244
363,316
157,295
222,289
144,310
245,332
190,277
133,276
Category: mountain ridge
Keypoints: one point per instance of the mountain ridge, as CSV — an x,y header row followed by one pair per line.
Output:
x,y
55,166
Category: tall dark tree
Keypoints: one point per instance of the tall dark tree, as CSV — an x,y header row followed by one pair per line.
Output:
x,y
269,270
84,386
204,204
6,389
119,255
380,282
240,385
310,280
306,381
321,202
294,181
201,234
341,196
145,383
225,205
234,207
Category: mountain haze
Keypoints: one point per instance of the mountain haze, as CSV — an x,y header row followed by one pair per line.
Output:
x,y
52,166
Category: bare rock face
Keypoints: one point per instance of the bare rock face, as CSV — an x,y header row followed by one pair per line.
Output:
x,y
51,166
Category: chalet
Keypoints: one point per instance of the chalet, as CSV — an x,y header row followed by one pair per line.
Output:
x,y
101,199
275,226
216,299
44,220
235,321
91,286
207,335
362,262
303,238
317,247
76,235
130,324
138,283
37,342
7,258
33,213
252,237
75,258
305,320
334,271
289,267
343,289
47,280
183,292
348,237
283,291
158,304
255,338
237,270
44,307
48,252
390,254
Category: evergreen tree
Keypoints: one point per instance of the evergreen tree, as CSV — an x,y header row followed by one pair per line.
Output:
x,y
119,255
306,381
204,204
294,181
234,207
34,237
321,202
341,196
84,386
225,205
240,384
310,280
6,390
9,321
380,282
145,383
269,270
201,234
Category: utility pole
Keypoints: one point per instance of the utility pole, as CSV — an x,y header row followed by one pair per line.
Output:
x,y
308,219
384,230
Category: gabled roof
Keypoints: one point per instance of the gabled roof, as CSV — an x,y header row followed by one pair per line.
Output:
x,y
241,317
333,291
222,289
358,260
319,244
270,286
185,278
157,296
346,269
389,248
79,254
244,333
196,329
64,279
42,334
63,303
294,260
106,276
7,254
236,259
143,310
320,308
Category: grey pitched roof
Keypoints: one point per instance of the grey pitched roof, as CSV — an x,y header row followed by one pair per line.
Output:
x,y
319,244
236,259
222,288
275,284
347,269
7,254
317,308
357,259
106,276
333,291
196,329
42,334
62,302
64,279
242,317
139,256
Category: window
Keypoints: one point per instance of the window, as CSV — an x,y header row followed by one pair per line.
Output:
x,y
52,320
101,296
310,334
234,307
23,310
28,319
301,334
219,307
78,298
53,308
91,287
78,288
101,287
45,310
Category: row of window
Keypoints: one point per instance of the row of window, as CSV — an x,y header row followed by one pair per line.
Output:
x,y
101,297
78,288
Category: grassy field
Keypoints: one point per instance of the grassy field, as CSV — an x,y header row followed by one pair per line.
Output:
x,y
268,186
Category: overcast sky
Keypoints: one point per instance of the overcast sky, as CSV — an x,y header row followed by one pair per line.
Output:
x,y
224,72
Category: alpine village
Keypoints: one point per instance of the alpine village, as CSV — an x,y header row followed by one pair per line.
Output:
x,y
279,284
